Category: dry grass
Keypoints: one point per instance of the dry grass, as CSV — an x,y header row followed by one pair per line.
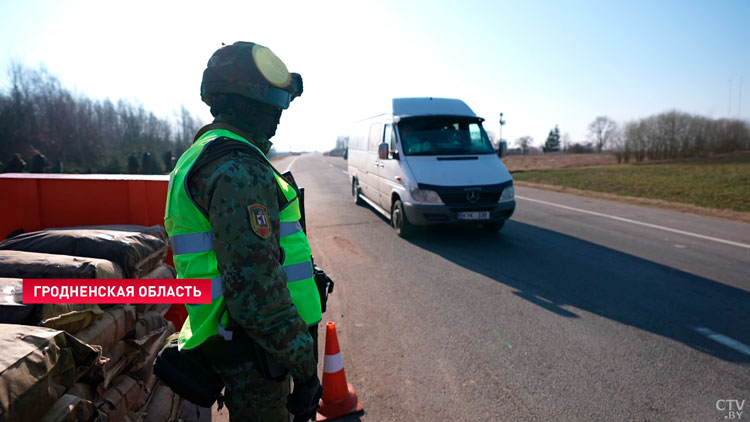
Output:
x,y
716,186
557,161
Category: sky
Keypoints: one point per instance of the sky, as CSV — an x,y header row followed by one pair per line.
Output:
x,y
541,63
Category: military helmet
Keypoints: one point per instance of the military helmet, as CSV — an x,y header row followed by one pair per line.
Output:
x,y
252,71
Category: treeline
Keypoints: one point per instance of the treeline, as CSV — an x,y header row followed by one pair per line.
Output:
x,y
676,134
76,134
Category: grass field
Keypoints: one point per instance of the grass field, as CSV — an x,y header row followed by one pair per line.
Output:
x,y
721,182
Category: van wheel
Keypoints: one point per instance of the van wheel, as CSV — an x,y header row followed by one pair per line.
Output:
x,y
493,227
399,220
355,192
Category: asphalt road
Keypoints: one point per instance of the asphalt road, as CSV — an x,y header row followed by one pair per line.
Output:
x,y
580,309
567,314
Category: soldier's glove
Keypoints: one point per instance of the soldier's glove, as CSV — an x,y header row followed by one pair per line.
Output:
x,y
303,402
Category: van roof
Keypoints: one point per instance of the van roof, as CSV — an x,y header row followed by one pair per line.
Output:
x,y
429,106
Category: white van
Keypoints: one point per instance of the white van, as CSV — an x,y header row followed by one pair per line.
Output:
x,y
429,162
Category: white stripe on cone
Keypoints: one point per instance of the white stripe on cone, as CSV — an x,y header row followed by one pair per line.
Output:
x,y
333,363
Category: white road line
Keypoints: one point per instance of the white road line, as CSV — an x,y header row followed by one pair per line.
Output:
x,y
726,341
345,172
289,167
640,223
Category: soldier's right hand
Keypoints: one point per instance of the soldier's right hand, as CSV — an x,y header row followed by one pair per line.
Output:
x,y
303,402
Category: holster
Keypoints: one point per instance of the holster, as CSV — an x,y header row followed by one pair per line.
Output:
x,y
324,284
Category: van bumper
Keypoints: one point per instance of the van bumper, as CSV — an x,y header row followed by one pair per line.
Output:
x,y
424,215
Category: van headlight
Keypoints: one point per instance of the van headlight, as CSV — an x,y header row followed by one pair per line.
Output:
x,y
425,196
507,194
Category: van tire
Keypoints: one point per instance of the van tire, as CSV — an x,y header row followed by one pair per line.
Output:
x,y
355,192
493,227
399,220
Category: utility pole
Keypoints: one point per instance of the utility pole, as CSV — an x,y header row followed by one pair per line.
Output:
x,y
729,100
502,122
739,100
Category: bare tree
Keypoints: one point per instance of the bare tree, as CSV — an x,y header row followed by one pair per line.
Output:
x,y
601,131
524,143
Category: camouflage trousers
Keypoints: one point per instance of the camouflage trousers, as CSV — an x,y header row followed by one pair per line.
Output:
x,y
249,396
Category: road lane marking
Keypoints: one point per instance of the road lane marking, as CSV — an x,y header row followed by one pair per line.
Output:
x,y
640,223
726,341
289,167
345,172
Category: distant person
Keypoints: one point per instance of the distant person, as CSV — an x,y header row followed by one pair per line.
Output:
x,y
146,162
57,166
133,163
38,163
169,160
16,164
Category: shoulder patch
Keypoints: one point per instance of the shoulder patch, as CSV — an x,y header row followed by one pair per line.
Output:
x,y
259,220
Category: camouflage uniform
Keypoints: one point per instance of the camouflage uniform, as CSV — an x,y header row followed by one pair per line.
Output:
x,y
254,282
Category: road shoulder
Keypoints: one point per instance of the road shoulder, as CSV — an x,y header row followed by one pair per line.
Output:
x,y
653,203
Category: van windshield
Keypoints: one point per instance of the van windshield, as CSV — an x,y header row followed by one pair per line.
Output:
x,y
443,136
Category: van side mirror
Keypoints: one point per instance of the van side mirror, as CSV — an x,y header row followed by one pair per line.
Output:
x,y
383,151
502,149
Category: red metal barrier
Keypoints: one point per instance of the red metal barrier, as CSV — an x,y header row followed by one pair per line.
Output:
x,y
35,201
31,202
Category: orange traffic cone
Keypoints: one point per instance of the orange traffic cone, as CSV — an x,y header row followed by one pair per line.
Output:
x,y
339,398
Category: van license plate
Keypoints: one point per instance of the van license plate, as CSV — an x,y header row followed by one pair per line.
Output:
x,y
474,215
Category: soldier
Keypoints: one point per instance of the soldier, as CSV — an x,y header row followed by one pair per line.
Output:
x,y
168,158
133,163
234,219
16,164
38,163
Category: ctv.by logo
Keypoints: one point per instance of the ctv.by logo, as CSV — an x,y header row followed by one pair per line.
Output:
x,y
732,407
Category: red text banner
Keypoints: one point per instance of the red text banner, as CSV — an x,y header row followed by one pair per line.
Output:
x,y
192,291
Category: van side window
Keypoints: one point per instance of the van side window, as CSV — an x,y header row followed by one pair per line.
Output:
x,y
375,131
389,137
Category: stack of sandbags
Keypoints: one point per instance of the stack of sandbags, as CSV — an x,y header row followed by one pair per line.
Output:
x,y
60,316
135,250
121,386
37,366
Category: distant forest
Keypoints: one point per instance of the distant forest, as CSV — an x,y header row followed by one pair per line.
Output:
x,y
76,134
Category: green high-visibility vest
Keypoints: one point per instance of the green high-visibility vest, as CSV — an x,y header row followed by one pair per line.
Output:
x,y
191,238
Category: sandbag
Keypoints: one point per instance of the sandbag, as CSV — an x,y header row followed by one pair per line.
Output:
x,y
83,390
119,398
146,392
117,360
20,264
149,322
37,365
134,417
70,408
155,230
13,311
72,322
164,405
111,327
135,252
147,348
161,272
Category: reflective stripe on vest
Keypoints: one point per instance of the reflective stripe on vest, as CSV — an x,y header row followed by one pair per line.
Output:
x,y
192,243
191,238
